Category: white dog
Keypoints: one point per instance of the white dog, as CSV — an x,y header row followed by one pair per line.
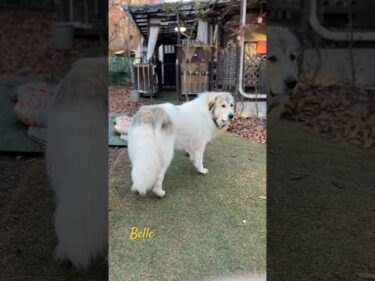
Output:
x,y
76,157
157,130
282,66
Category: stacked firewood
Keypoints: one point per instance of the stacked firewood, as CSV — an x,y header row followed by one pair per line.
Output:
x,y
251,128
342,113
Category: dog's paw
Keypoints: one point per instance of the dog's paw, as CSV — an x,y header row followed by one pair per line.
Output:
x,y
159,193
70,259
203,171
143,193
136,191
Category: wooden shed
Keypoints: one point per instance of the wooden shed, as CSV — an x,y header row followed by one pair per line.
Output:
x,y
197,46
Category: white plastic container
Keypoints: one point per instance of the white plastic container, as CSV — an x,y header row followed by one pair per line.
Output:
x,y
134,96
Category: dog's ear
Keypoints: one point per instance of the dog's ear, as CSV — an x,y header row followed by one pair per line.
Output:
x,y
211,101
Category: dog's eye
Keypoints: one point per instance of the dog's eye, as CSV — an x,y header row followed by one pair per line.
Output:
x,y
292,57
231,105
272,59
223,106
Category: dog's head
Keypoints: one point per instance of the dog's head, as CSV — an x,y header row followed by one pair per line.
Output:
x,y
221,107
282,67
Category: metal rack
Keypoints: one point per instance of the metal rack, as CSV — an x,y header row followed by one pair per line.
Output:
x,y
254,68
145,78
227,67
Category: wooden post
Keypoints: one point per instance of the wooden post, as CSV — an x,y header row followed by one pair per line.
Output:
x,y
86,11
217,48
138,78
96,8
178,59
144,77
71,10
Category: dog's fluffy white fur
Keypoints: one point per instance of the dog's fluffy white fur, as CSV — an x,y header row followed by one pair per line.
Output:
x,y
157,130
76,156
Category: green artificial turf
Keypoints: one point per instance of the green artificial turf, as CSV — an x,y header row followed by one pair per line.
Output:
x,y
320,207
165,96
199,230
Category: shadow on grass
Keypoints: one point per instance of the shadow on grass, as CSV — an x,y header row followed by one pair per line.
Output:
x,y
199,225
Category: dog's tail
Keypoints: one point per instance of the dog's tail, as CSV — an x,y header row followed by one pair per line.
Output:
x,y
150,146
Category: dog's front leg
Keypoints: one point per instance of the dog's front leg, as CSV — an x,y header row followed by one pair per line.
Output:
x,y
198,159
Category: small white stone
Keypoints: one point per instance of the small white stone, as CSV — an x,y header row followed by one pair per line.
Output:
x,y
244,222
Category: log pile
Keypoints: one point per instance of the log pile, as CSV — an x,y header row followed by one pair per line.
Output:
x,y
341,113
250,128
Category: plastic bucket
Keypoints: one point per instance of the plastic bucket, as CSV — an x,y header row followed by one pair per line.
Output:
x,y
134,96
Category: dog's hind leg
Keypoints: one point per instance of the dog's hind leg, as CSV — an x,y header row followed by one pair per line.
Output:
x,y
166,150
158,187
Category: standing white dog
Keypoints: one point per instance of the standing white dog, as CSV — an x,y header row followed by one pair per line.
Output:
x,y
76,157
157,130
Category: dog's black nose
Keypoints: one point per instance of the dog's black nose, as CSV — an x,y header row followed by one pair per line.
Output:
x,y
290,83
230,116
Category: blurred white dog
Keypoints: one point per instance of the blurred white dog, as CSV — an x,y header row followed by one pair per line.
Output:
x,y
282,66
76,156
157,130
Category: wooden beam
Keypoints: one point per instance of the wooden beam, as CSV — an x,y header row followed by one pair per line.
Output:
x,y
178,63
